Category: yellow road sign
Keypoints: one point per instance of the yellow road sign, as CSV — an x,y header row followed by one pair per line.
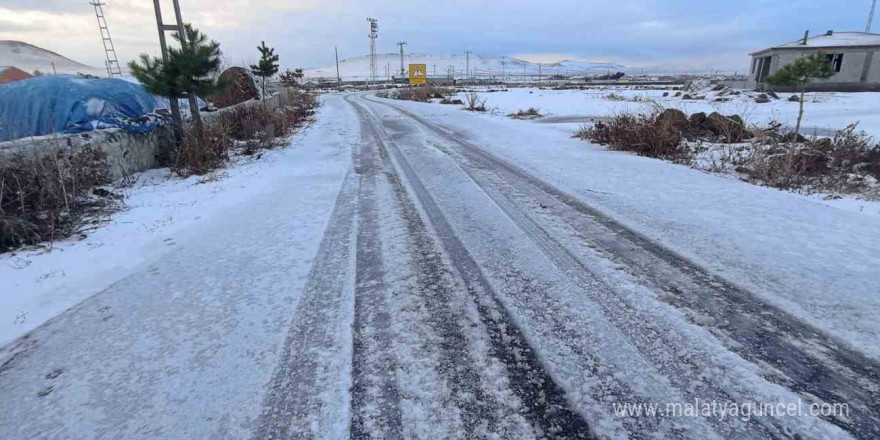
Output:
x,y
418,74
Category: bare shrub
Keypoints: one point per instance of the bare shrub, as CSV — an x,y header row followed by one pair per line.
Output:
x,y
845,163
198,153
645,135
530,113
46,195
473,102
420,94
260,126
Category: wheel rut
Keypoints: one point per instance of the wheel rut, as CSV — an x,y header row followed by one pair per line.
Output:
x,y
545,404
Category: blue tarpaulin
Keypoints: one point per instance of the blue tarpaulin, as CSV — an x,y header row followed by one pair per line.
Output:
x,y
71,104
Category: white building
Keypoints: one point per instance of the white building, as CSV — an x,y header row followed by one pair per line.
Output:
x,y
851,55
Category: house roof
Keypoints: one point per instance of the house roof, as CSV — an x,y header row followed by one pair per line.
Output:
x,y
835,39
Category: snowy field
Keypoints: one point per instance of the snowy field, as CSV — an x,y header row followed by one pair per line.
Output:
x,y
823,110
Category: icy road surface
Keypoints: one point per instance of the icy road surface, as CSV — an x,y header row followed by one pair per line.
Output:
x,y
419,272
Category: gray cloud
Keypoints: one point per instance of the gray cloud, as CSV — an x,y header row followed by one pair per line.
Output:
x,y
305,31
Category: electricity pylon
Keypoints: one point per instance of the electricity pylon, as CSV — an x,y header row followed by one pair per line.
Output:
x,y
374,33
402,70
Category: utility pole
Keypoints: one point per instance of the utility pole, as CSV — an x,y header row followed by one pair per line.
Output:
x,y
374,33
163,44
402,71
871,16
435,69
503,64
467,68
338,78
112,62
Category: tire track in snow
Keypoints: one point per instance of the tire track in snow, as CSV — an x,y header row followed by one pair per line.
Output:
x,y
308,395
545,403
814,365
375,401
433,284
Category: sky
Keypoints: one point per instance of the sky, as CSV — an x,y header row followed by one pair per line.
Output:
x,y
636,33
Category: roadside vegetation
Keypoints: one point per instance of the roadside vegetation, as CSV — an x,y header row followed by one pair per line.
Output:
x,y
530,113
846,163
48,195
472,100
418,93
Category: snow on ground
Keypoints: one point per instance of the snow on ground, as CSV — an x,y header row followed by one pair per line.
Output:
x,y
823,110
160,214
815,261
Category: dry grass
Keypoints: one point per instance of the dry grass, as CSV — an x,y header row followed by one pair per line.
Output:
x,y
420,94
645,135
530,113
473,102
845,163
257,126
46,195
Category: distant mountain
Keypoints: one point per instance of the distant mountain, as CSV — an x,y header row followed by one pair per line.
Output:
x,y
359,67
28,57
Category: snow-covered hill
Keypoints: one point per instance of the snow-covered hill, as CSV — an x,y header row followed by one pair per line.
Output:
x,y
359,67
28,57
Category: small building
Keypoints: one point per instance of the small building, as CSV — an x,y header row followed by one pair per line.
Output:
x,y
851,55
11,73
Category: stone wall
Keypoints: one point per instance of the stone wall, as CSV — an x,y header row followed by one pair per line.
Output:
x,y
127,152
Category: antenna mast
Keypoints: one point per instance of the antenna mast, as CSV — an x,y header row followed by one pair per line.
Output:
x,y
374,33
111,62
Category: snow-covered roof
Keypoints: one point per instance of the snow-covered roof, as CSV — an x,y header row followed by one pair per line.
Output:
x,y
834,39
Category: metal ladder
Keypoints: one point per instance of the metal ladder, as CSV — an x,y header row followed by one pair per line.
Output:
x,y
112,61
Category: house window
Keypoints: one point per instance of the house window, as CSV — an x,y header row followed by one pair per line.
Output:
x,y
754,64
835,60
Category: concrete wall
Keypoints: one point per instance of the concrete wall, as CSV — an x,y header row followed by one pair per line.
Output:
x,y
127,152
859,71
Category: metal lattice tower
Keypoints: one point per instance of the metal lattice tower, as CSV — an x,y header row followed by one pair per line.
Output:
x,y
112,62
374,33
402,70
870,17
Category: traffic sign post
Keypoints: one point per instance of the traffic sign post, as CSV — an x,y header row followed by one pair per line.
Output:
x,y
418,74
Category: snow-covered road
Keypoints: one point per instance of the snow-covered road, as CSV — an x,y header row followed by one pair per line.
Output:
x,y
455,277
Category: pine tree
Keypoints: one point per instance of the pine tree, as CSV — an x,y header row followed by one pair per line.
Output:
x,y
190,71
197,63
798,74
268,65
291,78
